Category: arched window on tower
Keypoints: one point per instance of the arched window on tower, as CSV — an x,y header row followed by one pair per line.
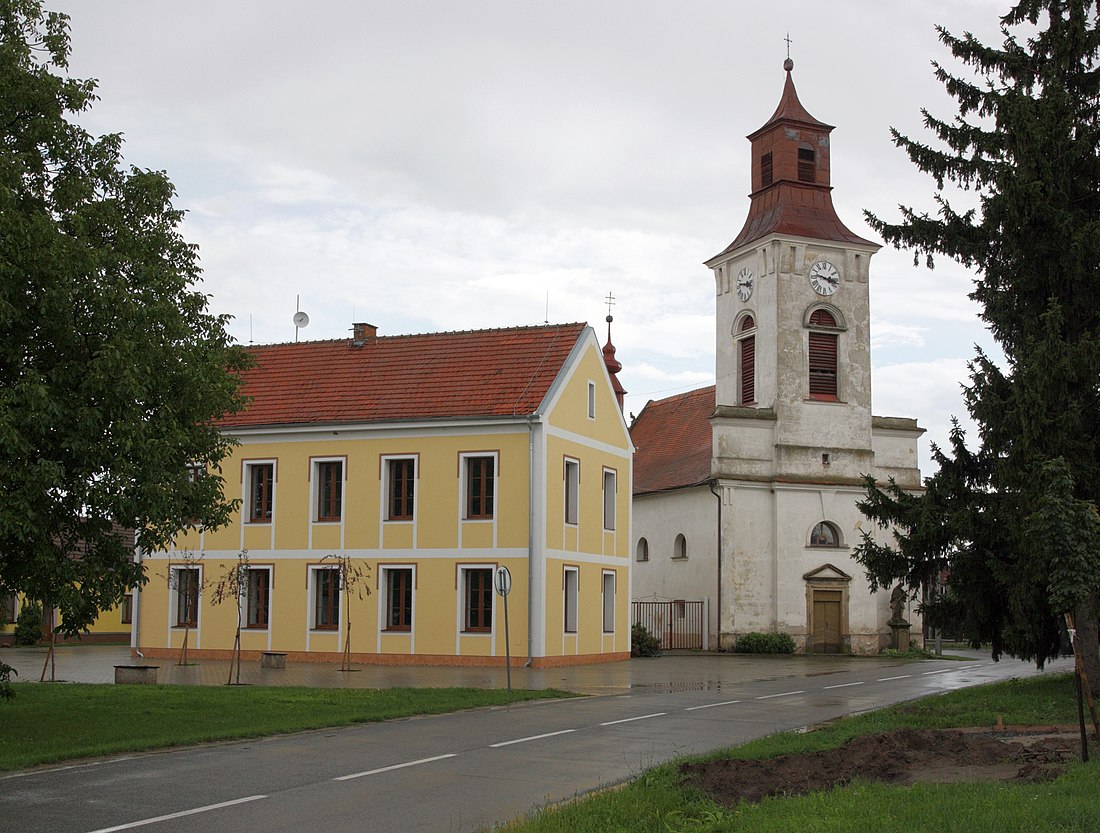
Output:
x,y
807,167
746,361
823,356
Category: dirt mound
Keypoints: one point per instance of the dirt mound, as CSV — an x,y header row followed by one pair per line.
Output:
x,y
903,756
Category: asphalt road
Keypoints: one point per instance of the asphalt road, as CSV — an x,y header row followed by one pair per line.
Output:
x,y
458,772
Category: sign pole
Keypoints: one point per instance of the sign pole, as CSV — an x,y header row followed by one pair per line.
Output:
x,y
502,580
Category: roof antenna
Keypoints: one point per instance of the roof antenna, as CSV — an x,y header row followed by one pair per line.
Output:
x,y
250,328
300,318
546,319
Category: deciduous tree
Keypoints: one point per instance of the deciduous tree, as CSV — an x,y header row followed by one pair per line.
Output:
x,y
113,372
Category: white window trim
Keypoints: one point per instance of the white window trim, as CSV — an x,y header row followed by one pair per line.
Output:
x,y
591,400
384,606
460,609
614,499
574,464
566,572
464,479
314,569
174,593
246,489
603,598
385,490
314,465
270,570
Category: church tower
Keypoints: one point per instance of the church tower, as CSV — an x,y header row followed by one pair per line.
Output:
x,y
793,315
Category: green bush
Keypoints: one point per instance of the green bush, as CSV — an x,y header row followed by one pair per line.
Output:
x,y
765,643
28,627
642,642
6,691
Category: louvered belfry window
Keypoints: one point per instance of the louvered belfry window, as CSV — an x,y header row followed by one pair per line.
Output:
x,y
747,348
823,357
765,170
806,166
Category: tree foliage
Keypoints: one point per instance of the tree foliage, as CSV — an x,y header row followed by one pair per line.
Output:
x,y
112,371
1013,525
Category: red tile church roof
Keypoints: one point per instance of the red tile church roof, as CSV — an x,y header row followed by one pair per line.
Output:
x,y
475,373
672,441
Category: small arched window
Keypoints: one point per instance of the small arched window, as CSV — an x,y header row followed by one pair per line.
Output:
x,y
825,535
680,547
643,550
823,357
746,361
807,166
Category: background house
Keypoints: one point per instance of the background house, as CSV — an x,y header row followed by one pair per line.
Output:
x,y
430,460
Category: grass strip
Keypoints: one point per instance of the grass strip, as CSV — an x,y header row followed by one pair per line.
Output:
x,y
655,802
57,722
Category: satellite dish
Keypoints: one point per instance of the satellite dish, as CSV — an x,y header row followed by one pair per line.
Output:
x,y
301,320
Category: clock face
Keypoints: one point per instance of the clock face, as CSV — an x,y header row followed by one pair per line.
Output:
x,y
824,278
745,282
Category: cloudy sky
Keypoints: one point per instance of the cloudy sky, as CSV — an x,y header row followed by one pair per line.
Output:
x,y
458,164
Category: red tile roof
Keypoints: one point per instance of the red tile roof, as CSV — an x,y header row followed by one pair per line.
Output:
x,y
672,440
504,372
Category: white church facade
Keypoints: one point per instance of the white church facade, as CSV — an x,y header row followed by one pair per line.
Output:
x,y
745,493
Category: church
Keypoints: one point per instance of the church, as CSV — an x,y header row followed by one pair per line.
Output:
x,y
746,492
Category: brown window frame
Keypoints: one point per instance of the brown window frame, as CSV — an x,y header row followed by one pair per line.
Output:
x,y
126,609
258,599
572,490
326,603
400,488
330,490
610,500
480,487
399,598
477,594
261,492
571,599
823,366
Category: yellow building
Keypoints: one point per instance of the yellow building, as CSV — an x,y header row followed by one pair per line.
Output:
x,y
428,462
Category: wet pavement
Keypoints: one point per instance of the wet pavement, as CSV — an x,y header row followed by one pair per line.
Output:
x,y
669,672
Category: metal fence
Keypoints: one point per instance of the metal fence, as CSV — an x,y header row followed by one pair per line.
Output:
x,y
677,623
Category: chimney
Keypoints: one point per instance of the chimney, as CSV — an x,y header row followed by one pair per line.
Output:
x,y
362,332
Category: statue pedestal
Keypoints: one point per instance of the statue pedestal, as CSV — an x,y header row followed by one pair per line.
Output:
x,y
899,636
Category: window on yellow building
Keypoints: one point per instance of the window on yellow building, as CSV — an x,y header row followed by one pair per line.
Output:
x,y
572,488
261,492
126,612
571,584
480,487
259,597
609,488
326,598
330,489
186,580
478,599
399,598
401,488
608,602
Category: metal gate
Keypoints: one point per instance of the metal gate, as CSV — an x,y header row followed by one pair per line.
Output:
x,y
677,623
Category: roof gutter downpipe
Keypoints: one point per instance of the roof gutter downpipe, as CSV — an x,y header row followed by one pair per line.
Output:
x,y
718,611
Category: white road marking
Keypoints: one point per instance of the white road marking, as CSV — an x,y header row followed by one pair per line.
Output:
x,y
712,705
180,814
941,671
899,677
784,694
533,737
842,685
394,766
629,719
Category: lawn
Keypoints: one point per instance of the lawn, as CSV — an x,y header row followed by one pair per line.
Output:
x,y
656,801
46,723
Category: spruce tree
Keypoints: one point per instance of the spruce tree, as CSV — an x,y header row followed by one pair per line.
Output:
x,y
1013,525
